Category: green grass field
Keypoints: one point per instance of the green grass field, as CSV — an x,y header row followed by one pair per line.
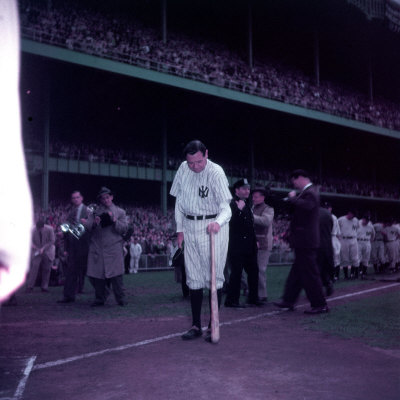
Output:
x,y
374,320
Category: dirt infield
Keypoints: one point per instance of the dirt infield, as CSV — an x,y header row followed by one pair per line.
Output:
x,y
263,354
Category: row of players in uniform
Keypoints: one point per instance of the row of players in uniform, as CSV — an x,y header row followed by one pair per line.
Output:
x,y
357,243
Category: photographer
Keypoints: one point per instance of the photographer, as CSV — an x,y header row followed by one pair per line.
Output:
x,y
108,224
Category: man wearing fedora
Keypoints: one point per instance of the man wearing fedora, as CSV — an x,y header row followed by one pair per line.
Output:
x,y
263,219
106,256
242,249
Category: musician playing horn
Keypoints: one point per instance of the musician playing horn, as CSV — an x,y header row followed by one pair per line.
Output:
x,y
76,250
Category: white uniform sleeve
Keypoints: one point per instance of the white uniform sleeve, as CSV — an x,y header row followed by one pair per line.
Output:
x,y
224,214
178,217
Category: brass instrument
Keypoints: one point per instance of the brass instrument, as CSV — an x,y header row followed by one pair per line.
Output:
x,y
76,230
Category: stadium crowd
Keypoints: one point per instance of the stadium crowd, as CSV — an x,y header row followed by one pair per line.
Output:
x,y
274,177
129,41
155,231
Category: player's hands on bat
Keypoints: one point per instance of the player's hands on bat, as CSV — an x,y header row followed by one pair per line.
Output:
x,y
213,227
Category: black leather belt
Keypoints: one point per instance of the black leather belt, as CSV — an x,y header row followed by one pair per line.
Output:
x,y
363,240
200,217
349,237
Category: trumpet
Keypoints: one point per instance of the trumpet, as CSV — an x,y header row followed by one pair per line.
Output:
x,y
76,230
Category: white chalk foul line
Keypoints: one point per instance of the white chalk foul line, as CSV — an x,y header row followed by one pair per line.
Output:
x,y
22,383
51,364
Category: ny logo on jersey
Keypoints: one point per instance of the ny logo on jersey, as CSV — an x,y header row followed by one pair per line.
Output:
x,y
203,192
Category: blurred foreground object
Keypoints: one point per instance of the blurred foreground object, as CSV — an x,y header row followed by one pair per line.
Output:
x,y
15,197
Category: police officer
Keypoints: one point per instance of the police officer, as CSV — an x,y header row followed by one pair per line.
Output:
x,y
242,249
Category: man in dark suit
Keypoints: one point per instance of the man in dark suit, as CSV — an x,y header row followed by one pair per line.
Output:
x,y
304,239
76,249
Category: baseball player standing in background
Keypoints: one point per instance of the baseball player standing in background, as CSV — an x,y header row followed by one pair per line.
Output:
x,y
335,242
391,234
348,225
378,248
365,235
202,207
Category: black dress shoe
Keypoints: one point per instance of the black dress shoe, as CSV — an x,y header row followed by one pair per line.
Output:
x,y
283,304
191,334
122,303
317,310
264,299
65,300
234,305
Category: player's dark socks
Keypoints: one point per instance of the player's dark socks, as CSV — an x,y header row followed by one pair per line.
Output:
x,y
196,300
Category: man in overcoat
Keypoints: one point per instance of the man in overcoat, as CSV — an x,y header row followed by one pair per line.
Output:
x,y
106,256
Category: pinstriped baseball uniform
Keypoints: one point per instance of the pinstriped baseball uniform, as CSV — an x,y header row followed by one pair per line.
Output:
x,y
365,234
349,250
335,241
391,234
378,247
201,194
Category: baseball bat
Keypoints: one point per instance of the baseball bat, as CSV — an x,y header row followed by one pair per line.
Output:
x,y
214,297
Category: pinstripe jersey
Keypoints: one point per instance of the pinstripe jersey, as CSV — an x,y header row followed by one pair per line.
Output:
x,y
201,193
335,227
348,227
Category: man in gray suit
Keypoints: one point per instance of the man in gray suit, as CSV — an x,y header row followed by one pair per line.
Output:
x,y
43,248
263,219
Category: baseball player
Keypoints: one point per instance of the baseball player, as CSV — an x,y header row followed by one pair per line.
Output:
x,y
335,242
365,235
202,207
348,225
135,250
391,234
378,249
